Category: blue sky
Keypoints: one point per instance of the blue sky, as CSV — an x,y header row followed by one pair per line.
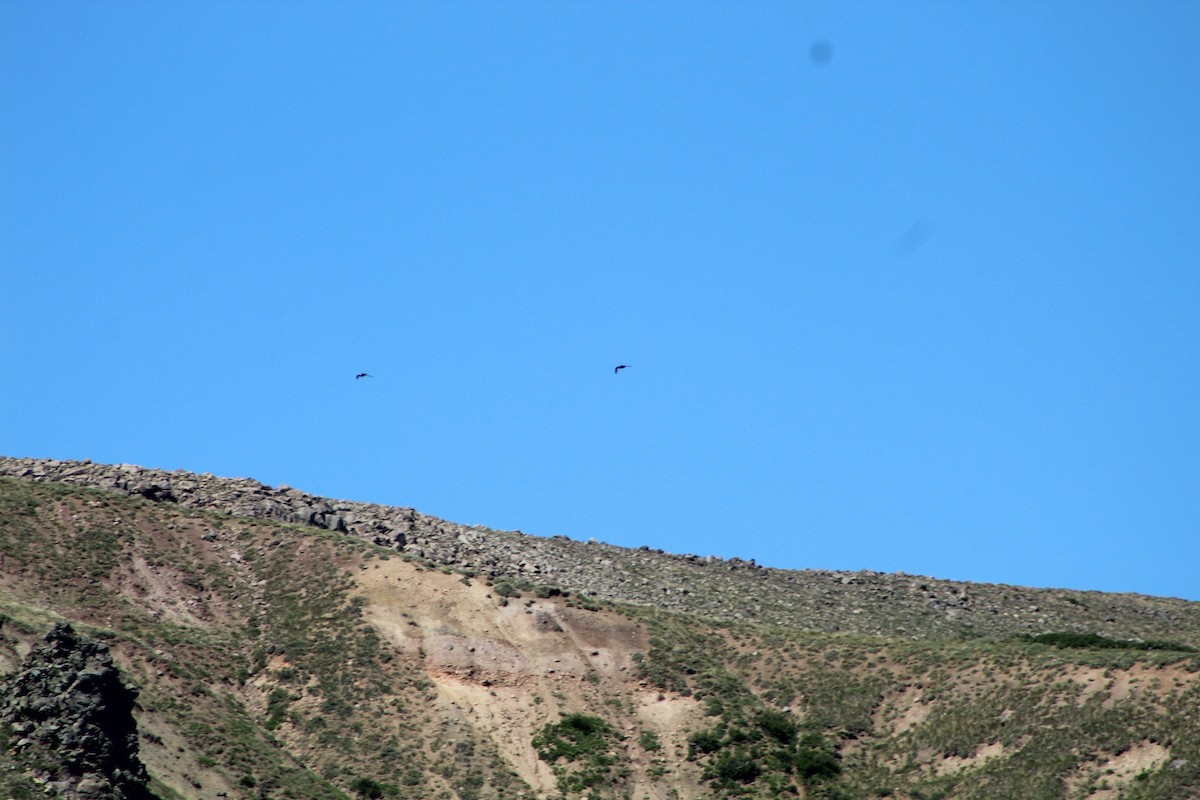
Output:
x,y
931,305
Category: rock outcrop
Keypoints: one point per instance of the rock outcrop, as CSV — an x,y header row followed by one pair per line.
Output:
x,y
71,720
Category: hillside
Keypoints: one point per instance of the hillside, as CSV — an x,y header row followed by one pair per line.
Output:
x,y
870,603
285,645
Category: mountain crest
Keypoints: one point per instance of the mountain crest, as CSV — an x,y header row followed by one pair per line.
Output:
x,y
736,590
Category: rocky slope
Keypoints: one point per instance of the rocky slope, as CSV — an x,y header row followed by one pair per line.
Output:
x,y
854,602
281,650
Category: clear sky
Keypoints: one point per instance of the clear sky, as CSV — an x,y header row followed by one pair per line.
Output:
x,y
902,286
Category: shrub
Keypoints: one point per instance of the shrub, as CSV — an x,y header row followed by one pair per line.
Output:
x,y
506,589
585,742
366,787
735,766
815,759
572,737
277,705
778,725
706,741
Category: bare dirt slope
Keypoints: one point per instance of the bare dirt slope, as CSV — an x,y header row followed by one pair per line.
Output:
x,y
510,667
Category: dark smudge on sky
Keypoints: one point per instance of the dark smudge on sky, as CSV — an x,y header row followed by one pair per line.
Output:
x,y
820,52
911,240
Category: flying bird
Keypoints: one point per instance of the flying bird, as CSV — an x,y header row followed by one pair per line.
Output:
x,y
363,375
620,367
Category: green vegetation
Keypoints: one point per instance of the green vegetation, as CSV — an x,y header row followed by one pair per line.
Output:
x,y
506,589
766,748
582,751
649,741
370,788
1095,641
752,748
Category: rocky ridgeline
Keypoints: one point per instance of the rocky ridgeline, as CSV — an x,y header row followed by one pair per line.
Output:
x,y
71,722
854,602
244,497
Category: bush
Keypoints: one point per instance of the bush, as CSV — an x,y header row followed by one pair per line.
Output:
x,y
572,737
366,787
584,741
506,589
778,725
815,759
706,741
736,766
277,705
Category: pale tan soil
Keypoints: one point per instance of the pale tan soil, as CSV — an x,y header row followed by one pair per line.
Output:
x,y
948,764
508,670
1107,779
1146,681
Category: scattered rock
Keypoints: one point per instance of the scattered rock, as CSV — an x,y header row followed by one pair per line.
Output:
x,y
812,599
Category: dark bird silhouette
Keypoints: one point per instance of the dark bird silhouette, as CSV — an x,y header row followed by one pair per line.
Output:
x,y
620,367
363,375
